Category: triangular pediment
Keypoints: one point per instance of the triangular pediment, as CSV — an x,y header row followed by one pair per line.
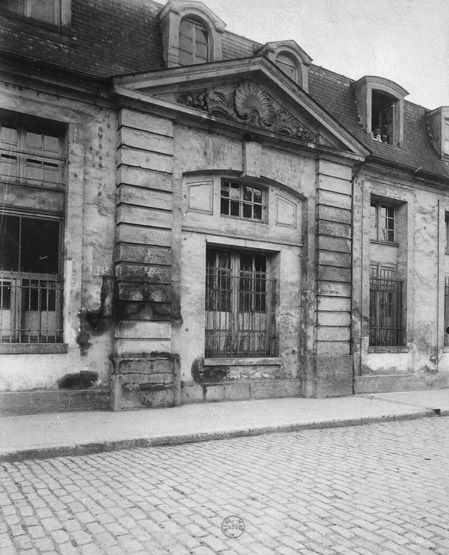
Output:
x,y
249,103
253,95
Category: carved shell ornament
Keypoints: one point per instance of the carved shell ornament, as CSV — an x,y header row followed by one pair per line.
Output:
x,y
248,102
253,104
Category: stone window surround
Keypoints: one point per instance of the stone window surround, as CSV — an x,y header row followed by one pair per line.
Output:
x,y
404,202
386,300
364,89
170,18
22,122
239,303
381,229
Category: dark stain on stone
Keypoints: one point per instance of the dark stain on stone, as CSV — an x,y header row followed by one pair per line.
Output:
x,y
83,340
163,354
83,380
154,387
208,374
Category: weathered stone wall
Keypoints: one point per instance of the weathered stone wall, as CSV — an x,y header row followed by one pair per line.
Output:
x,y
144,234
143,265
89,213
145,382
334,280
421,237
202,159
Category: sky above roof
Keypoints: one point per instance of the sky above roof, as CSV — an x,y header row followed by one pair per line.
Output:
x,y
406,41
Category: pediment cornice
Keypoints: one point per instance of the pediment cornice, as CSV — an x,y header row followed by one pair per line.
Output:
x,y
248,103
248,93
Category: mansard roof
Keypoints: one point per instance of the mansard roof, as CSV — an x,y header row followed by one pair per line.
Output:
x,y
116,37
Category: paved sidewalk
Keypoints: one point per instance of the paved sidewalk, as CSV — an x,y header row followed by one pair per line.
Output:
x,y
55,434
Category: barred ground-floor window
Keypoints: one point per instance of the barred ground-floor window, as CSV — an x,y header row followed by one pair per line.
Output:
x,y
240,304
30,279
386,307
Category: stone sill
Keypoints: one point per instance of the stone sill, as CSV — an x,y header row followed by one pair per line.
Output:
x,y
33,348
446,349
272,361
389,243
388,349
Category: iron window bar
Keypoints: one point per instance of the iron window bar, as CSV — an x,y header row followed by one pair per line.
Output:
x,y
30,308
240,314
386,320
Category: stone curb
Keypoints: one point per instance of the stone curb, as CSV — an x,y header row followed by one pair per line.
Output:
x,y
117,445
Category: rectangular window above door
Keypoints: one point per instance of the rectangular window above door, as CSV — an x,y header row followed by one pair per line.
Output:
x,y
244,201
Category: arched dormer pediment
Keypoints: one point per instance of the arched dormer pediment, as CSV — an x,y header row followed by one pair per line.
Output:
x,y
179,18
381,107
291,58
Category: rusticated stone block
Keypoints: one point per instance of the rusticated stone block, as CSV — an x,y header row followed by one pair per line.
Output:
x,y
275,389
145,382
236,391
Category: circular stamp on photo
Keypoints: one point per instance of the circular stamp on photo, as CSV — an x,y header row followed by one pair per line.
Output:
x,y
233,526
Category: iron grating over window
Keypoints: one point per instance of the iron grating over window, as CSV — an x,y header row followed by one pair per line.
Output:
x,y
240,307
30,308
31,287
386,319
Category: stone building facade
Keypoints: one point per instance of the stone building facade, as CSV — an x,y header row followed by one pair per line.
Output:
x,y
188,216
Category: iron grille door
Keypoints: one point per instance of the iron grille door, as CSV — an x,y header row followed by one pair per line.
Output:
x,y
240,301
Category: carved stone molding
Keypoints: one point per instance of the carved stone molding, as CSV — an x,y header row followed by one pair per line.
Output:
x,y
252,104
248,103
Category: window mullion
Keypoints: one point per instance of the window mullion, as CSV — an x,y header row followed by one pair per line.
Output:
x,y
379,222
19,261
16,317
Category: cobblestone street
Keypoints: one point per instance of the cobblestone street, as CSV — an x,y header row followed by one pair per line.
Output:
x,y
374,489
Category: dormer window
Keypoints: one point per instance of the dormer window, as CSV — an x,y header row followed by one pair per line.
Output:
x,y
439,128
193,43
446,137
381,107
288,65
290,58
191,33
383,117
54,12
